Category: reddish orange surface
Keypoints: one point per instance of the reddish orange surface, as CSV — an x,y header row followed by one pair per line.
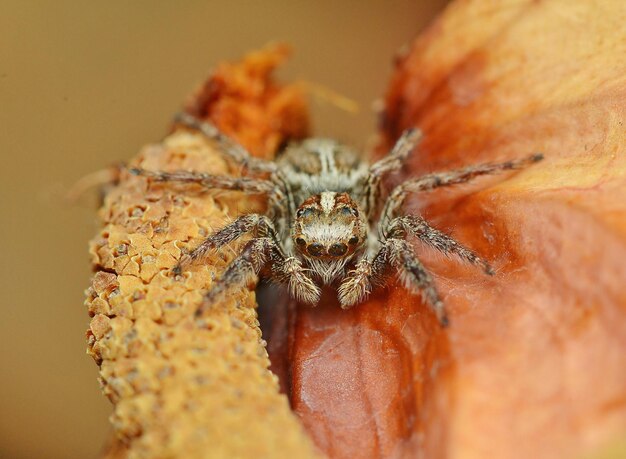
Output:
x,y
534,361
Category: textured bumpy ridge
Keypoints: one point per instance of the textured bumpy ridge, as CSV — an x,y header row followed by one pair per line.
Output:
x,y
181,386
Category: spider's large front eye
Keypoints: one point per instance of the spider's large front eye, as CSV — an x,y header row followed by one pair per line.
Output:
x,y
306,212
338,249
316,249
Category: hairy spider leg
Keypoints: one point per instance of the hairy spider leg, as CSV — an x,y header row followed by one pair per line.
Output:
x,y
223,182
442,179
258,225
229,147
415,225
257,253
392,162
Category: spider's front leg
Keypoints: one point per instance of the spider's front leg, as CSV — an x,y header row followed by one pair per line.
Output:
x,y
258,225
256,254
415,277
396,255
252,258
411,270
414,225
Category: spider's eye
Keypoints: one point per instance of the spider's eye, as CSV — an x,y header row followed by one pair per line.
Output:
x,y
306,212
349,211
337,250
353,240
316,249
300,241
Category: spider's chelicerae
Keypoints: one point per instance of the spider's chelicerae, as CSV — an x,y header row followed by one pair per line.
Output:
x,y
326,223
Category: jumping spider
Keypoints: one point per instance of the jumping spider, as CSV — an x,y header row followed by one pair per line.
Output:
x,y
323,201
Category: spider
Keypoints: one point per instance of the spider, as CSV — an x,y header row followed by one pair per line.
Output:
x,y
324,224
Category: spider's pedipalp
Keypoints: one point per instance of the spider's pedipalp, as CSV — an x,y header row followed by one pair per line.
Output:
x,y
357,285
301,286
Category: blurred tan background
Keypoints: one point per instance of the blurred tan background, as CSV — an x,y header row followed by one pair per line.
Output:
x,y
86,84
